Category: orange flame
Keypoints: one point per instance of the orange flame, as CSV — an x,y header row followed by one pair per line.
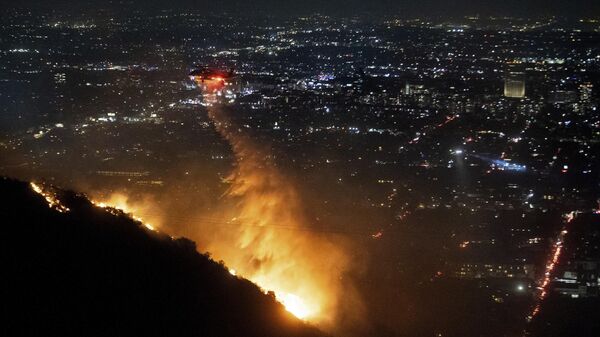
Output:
x,y
51,199
273,246
138,210
265,236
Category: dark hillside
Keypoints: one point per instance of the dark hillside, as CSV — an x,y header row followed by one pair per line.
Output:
x,y
88,272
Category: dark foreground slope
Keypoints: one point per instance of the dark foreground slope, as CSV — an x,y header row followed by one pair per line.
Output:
x,y
91,273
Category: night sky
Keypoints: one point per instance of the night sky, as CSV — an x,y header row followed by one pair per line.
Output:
x,y
450,8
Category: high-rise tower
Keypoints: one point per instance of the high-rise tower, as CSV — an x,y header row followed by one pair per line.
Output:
x,y
514,82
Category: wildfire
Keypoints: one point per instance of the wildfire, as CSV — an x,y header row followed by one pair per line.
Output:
x,y
278,260
294,304
304,270
287,292
50,197
120,203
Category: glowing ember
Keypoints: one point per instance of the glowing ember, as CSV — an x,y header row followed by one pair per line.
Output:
x,y
294,304
50,197
119,203
377,235
150,227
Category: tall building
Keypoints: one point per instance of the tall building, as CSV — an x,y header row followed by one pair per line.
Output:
x,y
585,92
414,89
561,96
514,82
585,95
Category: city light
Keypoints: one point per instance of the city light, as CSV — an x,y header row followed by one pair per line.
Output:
x,y
551,265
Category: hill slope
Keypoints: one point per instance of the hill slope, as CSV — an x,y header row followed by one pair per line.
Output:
x,y
92,273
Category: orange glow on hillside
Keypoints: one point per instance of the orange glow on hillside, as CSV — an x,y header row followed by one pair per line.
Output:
x,y
50,197
271,244
265,236
120,202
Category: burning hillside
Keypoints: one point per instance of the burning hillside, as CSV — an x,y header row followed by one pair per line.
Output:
x,y
75,268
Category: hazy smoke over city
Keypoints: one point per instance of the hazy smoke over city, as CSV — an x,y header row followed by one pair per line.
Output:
x,y
259,231
269,241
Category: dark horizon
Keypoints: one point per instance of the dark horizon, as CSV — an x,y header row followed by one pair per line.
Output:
x,y
286,8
